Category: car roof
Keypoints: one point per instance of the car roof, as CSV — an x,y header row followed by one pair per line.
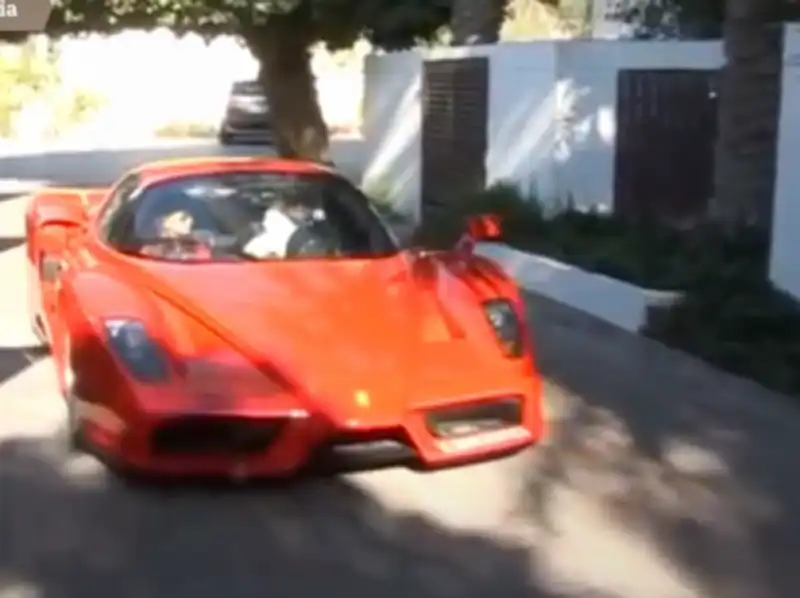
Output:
x,y
180,167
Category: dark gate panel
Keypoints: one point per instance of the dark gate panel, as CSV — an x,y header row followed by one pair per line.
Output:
x,y
666,130
454,138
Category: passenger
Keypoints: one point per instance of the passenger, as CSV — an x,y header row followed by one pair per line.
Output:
x,y
281,221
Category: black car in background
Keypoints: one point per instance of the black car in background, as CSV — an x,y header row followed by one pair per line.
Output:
x,y
247,115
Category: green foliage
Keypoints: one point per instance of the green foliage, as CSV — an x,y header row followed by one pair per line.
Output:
x,y
23,76
390,24
84,103
647,254
186,130
697,18
730,315
280,35
72,108
28,76
713,11
528,20
768,11
702,10
739,322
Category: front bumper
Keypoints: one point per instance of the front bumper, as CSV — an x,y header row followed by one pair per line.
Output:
x,y
281,445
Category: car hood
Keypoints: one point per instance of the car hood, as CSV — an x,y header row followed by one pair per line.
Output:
x,y
341,328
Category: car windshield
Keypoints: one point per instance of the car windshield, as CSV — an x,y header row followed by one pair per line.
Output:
x,y
253,216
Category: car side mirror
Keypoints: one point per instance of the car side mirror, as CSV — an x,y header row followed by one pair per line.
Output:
x,y
484,227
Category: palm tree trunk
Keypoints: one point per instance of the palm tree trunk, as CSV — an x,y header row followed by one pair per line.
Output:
x,y
475,22
749,97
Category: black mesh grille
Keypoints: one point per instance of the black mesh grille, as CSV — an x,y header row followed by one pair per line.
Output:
x,y
214,435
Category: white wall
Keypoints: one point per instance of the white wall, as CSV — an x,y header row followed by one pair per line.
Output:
x,y
551,123
587,83
523,116
392,118
784,258
391,123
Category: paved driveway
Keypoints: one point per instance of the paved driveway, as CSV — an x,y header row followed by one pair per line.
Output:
x,y
660,479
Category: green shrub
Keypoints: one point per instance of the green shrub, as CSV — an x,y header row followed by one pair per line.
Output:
x,y
28,75
730,315
186,129
739,322
24,75
83,104
445,222
645,253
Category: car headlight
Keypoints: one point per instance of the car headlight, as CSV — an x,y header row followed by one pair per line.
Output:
x,y
503,319
144,358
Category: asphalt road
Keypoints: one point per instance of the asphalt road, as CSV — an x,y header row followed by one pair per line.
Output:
x,y
661,478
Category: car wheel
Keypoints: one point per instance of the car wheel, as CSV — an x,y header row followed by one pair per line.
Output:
x,y
72,432
73,427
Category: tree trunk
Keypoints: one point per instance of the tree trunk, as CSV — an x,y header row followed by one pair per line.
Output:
x,y
475,22
749,100
283,49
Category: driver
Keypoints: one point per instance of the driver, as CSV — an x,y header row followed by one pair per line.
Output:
x,y
176,224
174,239
281,220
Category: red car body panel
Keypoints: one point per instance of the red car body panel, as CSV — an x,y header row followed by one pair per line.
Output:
x,y
328,348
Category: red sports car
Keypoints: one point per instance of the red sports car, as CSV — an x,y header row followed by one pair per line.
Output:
x,y
254,317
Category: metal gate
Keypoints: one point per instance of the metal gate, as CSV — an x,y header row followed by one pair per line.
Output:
x,y
666,131
454,115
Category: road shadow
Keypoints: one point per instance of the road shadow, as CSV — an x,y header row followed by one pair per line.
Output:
x,y
102,166
72,531
699,464
8,242
14,360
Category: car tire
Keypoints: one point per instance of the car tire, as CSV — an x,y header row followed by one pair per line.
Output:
x,y
72,432
72,427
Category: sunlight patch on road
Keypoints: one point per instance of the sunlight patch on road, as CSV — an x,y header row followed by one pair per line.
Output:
x,y
590,551
477,498
18,589
31,406
691,459
85,471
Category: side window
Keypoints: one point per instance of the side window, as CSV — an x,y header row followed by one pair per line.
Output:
x,y
121,194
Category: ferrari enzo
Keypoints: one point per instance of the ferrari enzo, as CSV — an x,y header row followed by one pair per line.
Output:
x,y
255,317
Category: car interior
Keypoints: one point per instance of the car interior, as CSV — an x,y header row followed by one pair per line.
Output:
x,y
214,217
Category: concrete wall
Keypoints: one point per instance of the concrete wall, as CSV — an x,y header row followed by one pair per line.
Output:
x,y
551,122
